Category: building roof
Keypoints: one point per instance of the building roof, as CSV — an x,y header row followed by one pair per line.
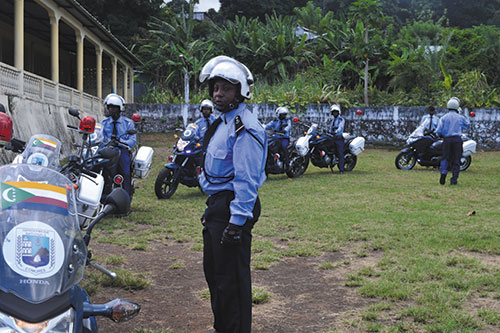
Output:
x,y
91,23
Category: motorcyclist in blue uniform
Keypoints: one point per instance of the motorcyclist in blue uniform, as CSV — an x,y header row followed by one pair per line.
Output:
x,y
206,109
281,127
235,148
430,120
450,127
117,125
336,129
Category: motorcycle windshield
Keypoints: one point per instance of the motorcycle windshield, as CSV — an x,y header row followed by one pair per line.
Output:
x,y
189,132
43,150
418,132
42,252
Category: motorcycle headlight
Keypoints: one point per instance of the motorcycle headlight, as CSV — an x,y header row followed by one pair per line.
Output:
x,y
60,324
181,144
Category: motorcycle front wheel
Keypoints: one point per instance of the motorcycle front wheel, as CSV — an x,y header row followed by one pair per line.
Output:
x,y
350,161
298,165
166,183
465,163
405,160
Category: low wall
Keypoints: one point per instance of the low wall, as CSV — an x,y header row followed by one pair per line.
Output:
x,y
31,117
378,125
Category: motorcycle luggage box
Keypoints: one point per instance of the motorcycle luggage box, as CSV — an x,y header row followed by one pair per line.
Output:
x,y
89,197
142,162
469,147
357,145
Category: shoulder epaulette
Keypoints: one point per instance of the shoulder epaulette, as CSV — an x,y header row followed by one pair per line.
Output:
x,y
238,125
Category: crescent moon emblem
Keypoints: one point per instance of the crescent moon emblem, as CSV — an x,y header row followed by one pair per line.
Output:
x,y
5,195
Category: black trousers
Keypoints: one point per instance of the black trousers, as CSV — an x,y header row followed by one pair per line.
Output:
x,y
336,144
227,269
452,153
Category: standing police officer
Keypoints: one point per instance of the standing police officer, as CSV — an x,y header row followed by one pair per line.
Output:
x,y
336,129
450,126
233,170
206,109
281,127
117,126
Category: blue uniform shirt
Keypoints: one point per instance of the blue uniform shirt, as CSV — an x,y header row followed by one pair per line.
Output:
x,y
123,124
203,125
282,126
432,121
236,162
337,126
452,124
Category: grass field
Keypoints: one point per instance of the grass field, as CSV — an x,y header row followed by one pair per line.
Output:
x,y
439,268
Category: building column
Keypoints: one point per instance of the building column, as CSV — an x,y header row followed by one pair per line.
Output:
x,y
114,61
54,45
19,34
98,51
79,60
125,78
131,84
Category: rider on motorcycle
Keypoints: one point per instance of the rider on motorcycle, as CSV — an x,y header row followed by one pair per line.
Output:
x,y
281,127
206,109
430,121
336,129
117,126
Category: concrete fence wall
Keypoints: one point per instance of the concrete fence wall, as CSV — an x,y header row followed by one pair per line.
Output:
x,y
378,125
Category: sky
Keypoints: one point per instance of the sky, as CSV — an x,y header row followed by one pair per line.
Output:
x,y
205,5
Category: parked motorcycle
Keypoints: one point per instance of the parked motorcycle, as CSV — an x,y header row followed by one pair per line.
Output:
x,y
426,149
44,255
321,154
184,165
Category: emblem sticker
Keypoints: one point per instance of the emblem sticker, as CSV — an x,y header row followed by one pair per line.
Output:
x,y
34,250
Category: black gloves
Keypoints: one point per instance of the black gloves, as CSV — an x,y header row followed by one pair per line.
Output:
x,y
231,235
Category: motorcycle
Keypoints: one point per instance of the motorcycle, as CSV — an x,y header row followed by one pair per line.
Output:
x,y
275,163
316,147
184,164
44,255
426,149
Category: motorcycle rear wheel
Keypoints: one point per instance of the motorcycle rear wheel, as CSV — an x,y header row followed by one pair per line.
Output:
x,y
298,164
166,183
350,161
405,160
465,163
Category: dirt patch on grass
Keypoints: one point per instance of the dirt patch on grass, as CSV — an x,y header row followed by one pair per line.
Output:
x,y
304,297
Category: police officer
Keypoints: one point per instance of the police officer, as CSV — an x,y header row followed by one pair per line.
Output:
x,y
281,127
450,126
430,120
117,126
233,170
336,129
206,109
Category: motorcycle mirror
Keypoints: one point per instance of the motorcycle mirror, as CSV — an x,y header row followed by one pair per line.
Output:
x,y
296,119
119,201
75,113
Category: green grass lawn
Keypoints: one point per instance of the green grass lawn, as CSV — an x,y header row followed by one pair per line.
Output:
x,y
435,258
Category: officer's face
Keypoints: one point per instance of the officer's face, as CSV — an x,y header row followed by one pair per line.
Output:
x,y
206,112
224,92
335,113
432,112
113,110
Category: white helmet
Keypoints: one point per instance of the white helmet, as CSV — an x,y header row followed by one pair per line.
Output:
x,y
453,104
282,110
207,104
230,70
335,107
114,99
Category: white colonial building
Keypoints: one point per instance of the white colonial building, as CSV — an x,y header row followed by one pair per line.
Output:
x,y
56,52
